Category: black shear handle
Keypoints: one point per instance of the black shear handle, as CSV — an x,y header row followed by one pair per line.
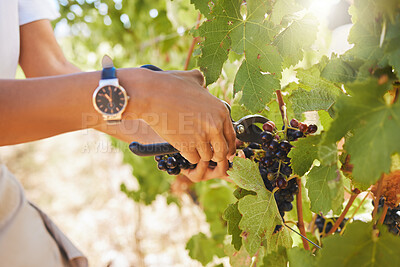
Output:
x,y
152,149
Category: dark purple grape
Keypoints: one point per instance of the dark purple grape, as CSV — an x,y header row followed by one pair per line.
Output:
x,y
281,182
174,171
266,137
248,152
285,145
281,154
273,146
312,128
162,165
172,162
286,170
254,146
285,206
294,123
158,158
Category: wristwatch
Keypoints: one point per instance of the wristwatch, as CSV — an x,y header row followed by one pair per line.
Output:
x,y
110,99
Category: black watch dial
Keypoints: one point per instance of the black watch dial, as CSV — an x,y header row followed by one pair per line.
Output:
x,y
110,99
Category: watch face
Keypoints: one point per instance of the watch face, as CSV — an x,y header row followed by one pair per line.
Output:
x,y
110,99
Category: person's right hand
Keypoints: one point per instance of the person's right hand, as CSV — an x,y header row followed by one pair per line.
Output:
x,y
177,106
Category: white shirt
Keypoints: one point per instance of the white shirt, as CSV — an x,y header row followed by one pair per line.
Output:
x,y
14,13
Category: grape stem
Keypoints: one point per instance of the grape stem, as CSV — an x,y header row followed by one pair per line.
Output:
x,y
189,55
282,107
377,197
356,192
300,221
383,215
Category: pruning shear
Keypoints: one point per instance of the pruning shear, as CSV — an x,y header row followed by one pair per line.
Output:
x,y
245,130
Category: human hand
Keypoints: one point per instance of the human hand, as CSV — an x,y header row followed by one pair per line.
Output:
x,y
184,113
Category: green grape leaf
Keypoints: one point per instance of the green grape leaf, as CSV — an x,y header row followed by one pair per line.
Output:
x,y
280,239
215,48
325,189
276,258
299,257
311,79
257,88
283,8
316,99
233,217
238,258
366,31
339,71
325,119
260,213
303,154
328,154
392,49
374,124
203,248
300,35
360,246
203,6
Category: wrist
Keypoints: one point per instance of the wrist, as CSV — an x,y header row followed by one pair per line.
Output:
x,y
137,83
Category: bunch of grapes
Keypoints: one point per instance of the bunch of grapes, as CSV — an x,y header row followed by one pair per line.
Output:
x,y
324,225
392,218
274,163
272,158
173,163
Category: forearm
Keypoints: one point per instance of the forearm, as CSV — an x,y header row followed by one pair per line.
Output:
x,y
33,109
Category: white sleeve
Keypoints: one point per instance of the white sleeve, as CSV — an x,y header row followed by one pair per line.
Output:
x,y
31,10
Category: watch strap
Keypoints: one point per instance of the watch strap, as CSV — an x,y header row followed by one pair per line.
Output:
x,y
109,71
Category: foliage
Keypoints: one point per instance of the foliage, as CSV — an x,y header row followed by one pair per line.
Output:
x,y
248,50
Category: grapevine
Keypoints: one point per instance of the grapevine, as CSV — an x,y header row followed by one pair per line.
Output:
x,y
270,57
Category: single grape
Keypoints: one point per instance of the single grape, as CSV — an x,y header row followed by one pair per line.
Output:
x,y
303,127
172,162
162,165
248,152
158,158
273,146
281,154
266,137
281,182
254,146
312,128
285,145
174,171
294,123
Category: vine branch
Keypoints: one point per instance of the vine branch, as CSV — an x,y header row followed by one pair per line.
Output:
x,y
383,215
356,192
377,198
300,221
190,52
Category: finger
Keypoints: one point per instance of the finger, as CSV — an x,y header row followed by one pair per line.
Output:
x,y
198,77
192,156
220,147
197,174
230,136
218,172
204,150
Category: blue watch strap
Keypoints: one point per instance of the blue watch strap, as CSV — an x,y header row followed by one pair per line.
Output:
x,y
108,73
